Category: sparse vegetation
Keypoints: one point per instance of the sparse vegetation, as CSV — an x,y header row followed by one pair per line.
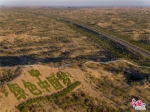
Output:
x,y
42,39
4,90
6,75
115,49
44,59
114,21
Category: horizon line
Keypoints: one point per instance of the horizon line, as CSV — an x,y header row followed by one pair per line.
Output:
x,y
75,6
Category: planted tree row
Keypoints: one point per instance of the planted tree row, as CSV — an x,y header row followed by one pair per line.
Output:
x,y
117,50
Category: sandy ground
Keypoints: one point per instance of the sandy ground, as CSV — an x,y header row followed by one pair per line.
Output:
x,y
9,103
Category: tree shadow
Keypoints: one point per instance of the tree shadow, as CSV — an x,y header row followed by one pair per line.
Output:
x,y
136,77
32,59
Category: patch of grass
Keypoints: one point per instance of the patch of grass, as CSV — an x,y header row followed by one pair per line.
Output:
x,y
4,90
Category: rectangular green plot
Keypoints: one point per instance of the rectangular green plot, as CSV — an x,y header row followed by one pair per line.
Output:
x,y
65,77
54,82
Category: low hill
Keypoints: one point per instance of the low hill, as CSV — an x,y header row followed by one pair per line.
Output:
x,y
100,87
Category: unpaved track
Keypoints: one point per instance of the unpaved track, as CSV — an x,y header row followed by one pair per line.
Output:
x,y
106,62
114,61
130,46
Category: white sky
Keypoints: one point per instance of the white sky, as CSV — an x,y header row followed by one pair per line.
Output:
x,y
76,2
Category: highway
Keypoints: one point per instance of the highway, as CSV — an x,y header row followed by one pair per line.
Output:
x,y
130,46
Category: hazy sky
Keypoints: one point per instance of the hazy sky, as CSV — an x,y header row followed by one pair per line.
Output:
x,y
76,2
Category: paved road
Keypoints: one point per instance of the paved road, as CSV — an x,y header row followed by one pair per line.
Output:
x,y
134,48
